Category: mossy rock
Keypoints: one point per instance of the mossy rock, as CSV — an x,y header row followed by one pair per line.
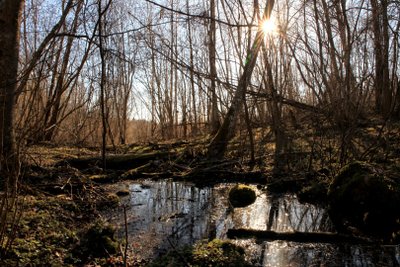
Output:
x,y
363,197
97,241
242,196
214,253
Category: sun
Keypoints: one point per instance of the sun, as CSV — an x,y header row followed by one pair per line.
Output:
x,y
269,26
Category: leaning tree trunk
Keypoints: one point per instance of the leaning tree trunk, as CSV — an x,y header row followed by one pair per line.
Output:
x,y
220,141
10,17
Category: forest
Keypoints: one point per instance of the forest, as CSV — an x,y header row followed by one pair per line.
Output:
x,y
199,133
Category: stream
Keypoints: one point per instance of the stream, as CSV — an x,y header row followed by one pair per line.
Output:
x,y
164,215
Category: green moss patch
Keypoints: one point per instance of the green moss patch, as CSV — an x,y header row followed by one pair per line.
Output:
x,y
97,241
49,232
215,253
45,233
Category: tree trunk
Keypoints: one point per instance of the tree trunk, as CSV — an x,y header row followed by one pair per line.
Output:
x,y
277,126
220,141
383,94
51,123
38,53
103,104
10,18
214,120
192,87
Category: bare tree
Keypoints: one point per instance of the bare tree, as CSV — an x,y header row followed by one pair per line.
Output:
x,y
103,76
214,120
10,18
220,141
383,93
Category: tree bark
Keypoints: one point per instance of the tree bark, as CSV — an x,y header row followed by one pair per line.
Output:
x,y
383,93
214,120
192,87
10,18
103,104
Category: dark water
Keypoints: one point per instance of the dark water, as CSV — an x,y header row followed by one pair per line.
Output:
x,y
164,215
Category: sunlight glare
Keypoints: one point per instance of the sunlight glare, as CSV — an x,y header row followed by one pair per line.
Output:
x,y
269,26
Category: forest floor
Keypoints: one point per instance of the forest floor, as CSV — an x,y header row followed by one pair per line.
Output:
x,y
63,192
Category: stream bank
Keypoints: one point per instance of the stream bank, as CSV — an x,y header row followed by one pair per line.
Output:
x,y
73,196
166,216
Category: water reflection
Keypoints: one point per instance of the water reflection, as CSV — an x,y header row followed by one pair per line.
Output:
x,y
281,214
165,214
282,254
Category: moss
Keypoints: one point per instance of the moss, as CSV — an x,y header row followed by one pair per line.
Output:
x,y
44,234
218,253
242,196
214,253
97,241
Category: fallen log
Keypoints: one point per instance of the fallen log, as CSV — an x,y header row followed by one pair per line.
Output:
x,y
122,161
210,177
302,237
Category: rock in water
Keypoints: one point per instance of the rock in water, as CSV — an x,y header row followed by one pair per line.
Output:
x,y
363,197
242,196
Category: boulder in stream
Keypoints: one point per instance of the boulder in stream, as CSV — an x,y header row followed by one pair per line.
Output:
x,y
242,196
362,196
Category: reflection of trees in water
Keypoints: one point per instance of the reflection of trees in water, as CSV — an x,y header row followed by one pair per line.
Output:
x,y
304,217
293,254
187,210
370,255
273,212
170,214
279,253
269,212
175,212
282,213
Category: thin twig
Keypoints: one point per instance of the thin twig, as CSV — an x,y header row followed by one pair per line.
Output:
x,y
126,238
